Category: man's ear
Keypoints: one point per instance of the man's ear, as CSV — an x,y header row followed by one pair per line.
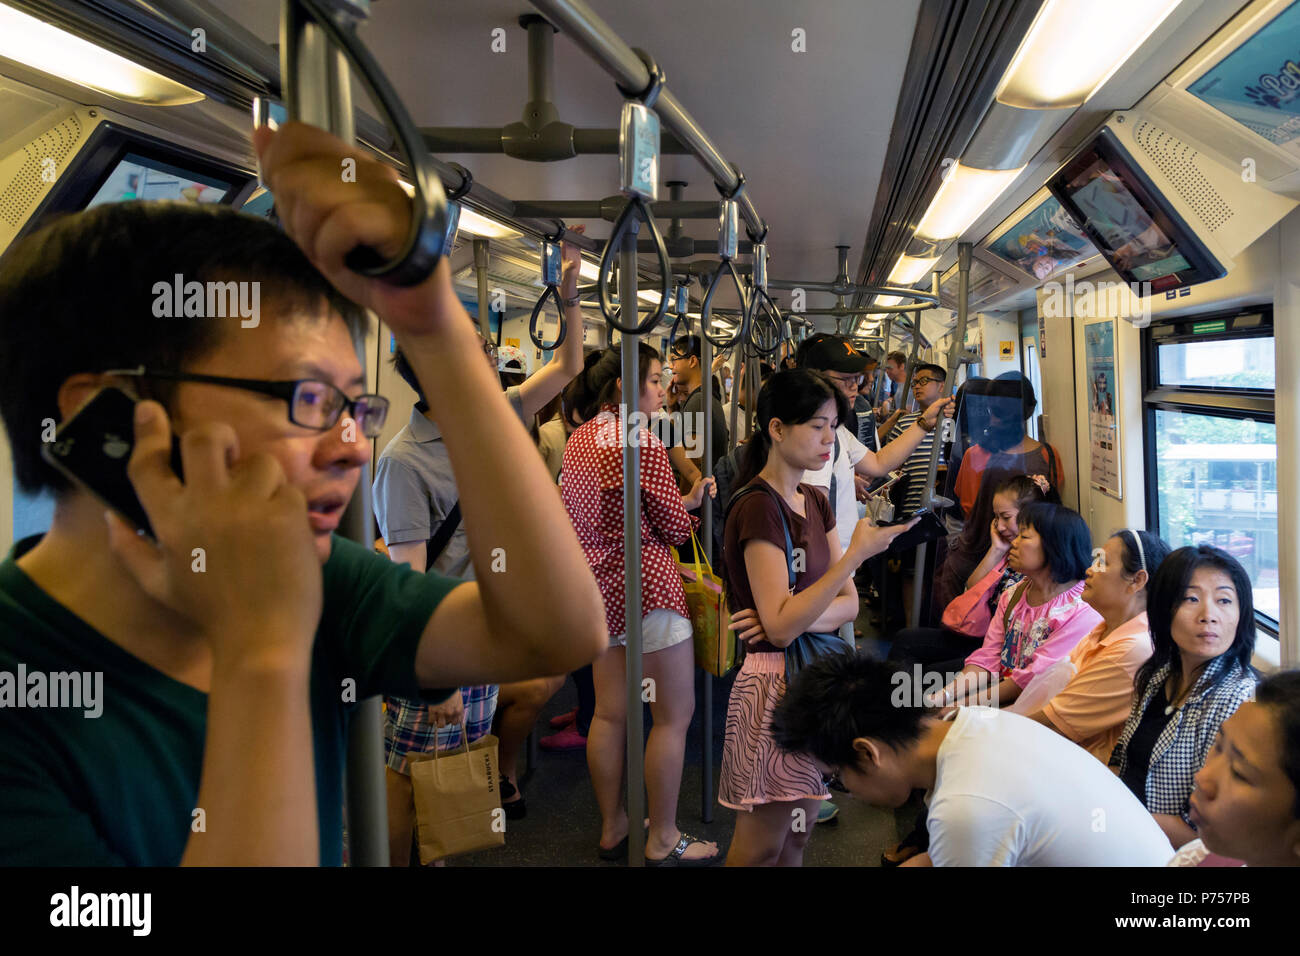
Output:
x,y
869,754
78,389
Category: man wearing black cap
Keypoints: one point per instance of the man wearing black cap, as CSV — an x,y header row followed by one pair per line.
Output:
x,y
834,356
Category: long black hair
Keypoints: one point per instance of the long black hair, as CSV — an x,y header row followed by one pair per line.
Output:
x,y
791,396
1167,591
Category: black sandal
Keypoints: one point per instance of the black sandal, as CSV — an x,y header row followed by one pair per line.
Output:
x,y
674,857
910,842
515,809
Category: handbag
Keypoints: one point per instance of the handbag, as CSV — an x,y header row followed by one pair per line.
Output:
x,y
457,799
715,645
809,645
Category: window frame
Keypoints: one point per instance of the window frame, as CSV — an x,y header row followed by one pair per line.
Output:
x,y
1232,403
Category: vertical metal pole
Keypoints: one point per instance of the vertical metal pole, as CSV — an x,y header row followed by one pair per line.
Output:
x,y
911,362
736,355
324,99
631,375
706,529
481,256
932,469
881,377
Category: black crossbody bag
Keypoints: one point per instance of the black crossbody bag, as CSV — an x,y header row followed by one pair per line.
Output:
x,y
809,645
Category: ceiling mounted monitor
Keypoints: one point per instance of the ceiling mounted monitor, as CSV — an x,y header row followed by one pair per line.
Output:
x,y
1137,230
1043,243
1257,85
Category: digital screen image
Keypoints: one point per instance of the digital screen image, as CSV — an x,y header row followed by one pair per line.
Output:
x,y
136,177
1258,84
1044,242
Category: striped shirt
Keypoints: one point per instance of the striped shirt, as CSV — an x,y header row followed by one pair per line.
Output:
x,y
917,465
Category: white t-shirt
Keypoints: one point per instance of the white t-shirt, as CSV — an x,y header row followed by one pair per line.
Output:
x,y
846,498
1010,792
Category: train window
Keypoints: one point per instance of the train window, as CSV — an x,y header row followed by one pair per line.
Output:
x,y
1239,363
1212,442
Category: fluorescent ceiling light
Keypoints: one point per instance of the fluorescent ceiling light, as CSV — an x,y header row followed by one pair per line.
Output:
x,y
961,200
910,270
885,301
589,270
41,46
1073,48
482,226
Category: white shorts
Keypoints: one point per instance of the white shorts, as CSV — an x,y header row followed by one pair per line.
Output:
x,y
660,630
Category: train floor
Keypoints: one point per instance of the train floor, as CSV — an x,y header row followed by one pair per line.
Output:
x,y
562,824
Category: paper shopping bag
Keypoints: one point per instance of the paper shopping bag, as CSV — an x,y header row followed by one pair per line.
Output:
x,y
715,645
457,800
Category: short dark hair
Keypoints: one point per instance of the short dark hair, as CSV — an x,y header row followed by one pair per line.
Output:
x,y
403,368
1280,693
839,698
77,296
686,346
1067,543
1167,589
898,358
938,371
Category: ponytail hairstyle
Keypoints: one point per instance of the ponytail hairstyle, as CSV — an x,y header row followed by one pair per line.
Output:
x,y
791,396
598,383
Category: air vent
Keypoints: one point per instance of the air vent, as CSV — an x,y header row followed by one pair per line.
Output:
x,y
27,188
1178,161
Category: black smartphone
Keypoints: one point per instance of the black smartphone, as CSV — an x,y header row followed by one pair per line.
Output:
x,y
94,445
905,518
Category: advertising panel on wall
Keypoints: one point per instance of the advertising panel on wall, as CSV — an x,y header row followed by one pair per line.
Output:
x,y
1103,400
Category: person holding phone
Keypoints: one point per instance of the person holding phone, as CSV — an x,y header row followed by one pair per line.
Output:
x,y
799,412
234,645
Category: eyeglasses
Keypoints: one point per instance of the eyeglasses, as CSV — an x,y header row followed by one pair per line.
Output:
x,y
312,404
924,381
832,780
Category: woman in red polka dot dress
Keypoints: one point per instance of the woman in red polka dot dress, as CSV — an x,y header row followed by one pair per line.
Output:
x,y
591,480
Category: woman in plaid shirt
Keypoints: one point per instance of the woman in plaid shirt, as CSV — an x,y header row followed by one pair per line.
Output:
x,y
1203,633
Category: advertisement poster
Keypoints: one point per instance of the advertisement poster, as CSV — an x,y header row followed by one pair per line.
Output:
x,y
1103,399
1256,83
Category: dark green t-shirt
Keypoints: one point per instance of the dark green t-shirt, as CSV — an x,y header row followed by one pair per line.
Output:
x,y
121,787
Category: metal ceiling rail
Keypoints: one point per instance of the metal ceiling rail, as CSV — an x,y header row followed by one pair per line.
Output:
x,y
598,40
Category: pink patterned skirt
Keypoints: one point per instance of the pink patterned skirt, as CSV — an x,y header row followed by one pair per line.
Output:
x,y
754,769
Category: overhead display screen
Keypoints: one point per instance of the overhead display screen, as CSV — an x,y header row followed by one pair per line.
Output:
x,y
1258,84
1129,221
135,177
1045,242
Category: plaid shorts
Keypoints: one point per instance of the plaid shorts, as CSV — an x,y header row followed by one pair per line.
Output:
x,y
407,726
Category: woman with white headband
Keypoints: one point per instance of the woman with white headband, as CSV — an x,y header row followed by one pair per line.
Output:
x,y
1092,707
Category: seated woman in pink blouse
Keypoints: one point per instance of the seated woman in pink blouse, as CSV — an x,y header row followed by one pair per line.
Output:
x,y
1037,623
591,482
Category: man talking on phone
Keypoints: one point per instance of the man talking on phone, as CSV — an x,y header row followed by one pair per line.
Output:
x,y
234,645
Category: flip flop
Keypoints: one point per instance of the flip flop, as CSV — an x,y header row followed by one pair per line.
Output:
x,y
674,857
613,854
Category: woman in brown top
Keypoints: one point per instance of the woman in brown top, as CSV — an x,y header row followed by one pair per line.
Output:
x,y
778,792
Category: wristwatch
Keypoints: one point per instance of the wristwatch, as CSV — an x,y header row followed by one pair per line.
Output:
x,y
572,301
921,423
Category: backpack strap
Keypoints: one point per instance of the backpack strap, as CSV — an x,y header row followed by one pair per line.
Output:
x,y
835,457
1016,595
438,543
